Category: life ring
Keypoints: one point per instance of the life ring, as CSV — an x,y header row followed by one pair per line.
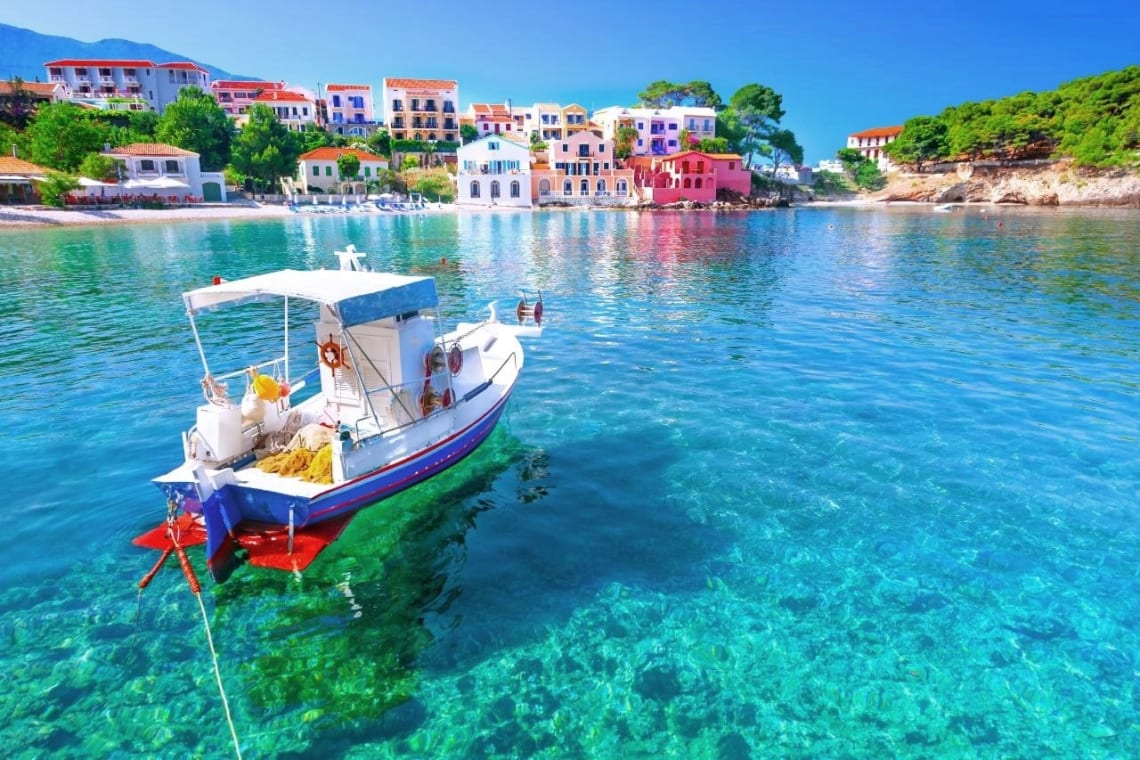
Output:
x,y
455,359
332,354
446,400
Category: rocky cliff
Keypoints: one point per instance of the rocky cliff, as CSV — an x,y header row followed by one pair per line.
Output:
x,y
1052,184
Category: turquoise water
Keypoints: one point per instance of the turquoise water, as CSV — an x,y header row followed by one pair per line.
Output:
x,y
811,483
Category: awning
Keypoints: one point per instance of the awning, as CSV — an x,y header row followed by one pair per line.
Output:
x,y
85,182
13,179
158,183
355,297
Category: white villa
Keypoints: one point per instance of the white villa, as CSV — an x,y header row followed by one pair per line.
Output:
x,y
658,129
166,171
494,171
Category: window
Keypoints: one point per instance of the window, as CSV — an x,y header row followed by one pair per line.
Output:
x,y
368,171
731,165
601,147
170,166
565,148
146,165
515,189
672,127
316,171
584,187
622,188
336,101
494,188
567,188
474,188
328,171
493,145
708,126
601,187
697,184
640,125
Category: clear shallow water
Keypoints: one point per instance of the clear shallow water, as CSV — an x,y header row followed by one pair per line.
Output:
x,y
807,483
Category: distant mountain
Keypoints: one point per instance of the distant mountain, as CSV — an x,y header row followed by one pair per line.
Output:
x,y
23,53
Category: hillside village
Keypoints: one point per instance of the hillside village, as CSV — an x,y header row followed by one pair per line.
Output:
x,y
497,154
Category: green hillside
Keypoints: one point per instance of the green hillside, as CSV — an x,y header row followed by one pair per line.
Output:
x,y
1094,121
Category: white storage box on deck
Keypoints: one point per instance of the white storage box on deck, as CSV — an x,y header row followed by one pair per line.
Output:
x,y
219,432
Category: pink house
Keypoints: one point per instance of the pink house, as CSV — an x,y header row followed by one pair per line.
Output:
x,y
689,176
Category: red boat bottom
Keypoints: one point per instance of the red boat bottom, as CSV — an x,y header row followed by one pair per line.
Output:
x,y
267,545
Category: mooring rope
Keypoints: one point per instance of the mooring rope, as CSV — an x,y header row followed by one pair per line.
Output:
x,y
196,589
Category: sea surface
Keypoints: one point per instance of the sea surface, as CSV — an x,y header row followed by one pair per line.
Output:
x,y
818,482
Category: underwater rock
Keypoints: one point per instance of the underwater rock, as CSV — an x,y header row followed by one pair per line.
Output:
x,y
927,602
799,605
659,682
733,747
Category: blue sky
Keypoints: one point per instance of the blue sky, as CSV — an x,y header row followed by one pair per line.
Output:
x,y
840,66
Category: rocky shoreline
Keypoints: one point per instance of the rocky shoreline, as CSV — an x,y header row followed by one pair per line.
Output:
x,y
1055,183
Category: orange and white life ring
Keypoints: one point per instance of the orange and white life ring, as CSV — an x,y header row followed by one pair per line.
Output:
x,y
332,354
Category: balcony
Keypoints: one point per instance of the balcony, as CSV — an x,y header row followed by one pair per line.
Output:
x,y
448,108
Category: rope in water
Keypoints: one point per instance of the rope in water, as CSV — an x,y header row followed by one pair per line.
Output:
x,y
196,589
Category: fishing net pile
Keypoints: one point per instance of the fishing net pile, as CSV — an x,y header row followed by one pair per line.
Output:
x,y
308,456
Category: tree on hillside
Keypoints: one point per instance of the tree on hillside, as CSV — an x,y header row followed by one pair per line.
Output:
x,y
99,166
139,126
347,166
784,150
713,145
313,137
758,110
61,135
11,139
197,123
664,94
624,141
923,138
861,169
468,133
265,150
380,143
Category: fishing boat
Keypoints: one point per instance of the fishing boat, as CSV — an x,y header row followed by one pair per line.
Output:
x,y
372,398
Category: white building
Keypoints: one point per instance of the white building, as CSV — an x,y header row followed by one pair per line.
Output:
x,y
128,85
350,109
870,143
658,129
494,171
294,108
174,174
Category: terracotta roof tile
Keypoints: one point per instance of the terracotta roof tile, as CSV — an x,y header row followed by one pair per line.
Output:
x,y
18,166
43,89
421,84
343,87
150,149
282,96
329,153
878,132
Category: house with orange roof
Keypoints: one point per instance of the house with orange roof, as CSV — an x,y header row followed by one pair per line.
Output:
x,y
17,180
125,84
689,176
166,171
349,109
318,171
422,109
35,94
491,119
870,143
582,170
235,97
293,108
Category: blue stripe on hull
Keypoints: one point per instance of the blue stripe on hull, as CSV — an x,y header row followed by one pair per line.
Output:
x,y
274,508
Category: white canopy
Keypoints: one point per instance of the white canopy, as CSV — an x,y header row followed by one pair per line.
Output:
x,y
13,178
158,183
85,182
354,297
